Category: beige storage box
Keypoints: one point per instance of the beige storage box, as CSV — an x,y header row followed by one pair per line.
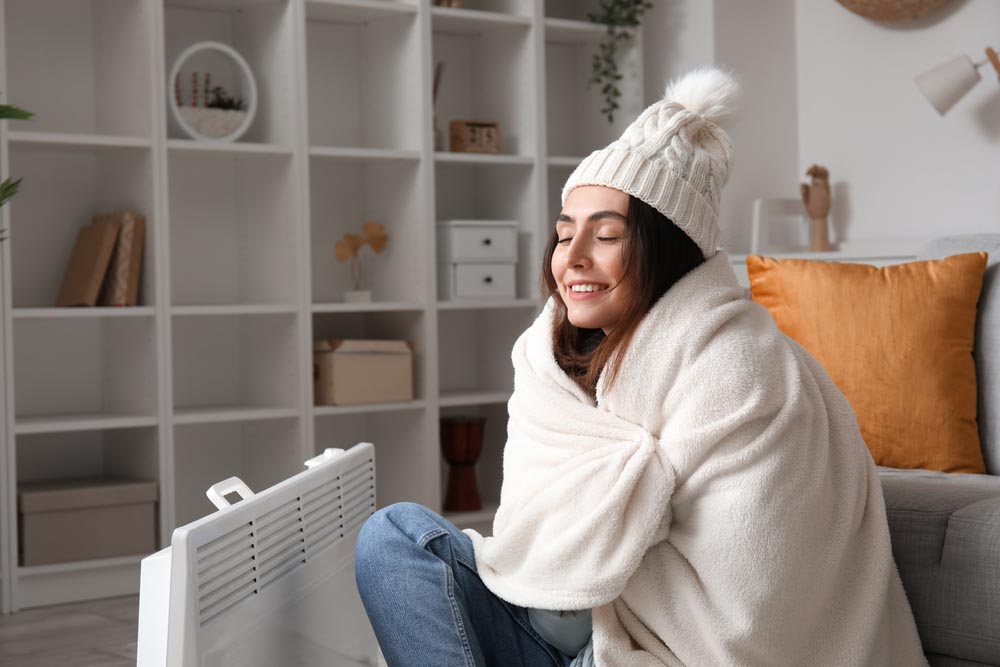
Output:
x,y
80,519
357,372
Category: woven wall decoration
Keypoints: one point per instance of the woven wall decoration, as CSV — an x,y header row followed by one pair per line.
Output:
x,y
892,10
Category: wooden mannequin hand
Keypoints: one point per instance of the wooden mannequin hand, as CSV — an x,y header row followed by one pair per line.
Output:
x,y
816,197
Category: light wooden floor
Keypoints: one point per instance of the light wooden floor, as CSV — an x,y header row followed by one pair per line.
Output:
x,y
101,633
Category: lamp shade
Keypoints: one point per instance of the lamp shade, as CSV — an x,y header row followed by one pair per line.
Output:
x,y
947,83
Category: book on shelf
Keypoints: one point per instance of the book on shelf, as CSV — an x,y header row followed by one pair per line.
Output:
x,y
121,284
88,263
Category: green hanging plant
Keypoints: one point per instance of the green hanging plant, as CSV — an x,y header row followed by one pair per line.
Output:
x,y
620,16
8,188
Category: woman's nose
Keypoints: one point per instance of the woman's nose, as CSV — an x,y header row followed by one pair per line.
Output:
x,y
578,254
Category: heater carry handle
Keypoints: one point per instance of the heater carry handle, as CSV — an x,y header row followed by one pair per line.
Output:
x,y
329,454
217,492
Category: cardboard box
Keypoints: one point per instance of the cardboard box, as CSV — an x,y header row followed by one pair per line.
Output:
x,y
80,519
357,372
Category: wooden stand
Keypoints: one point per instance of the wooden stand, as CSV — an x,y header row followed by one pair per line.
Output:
x,y
818,238
816,197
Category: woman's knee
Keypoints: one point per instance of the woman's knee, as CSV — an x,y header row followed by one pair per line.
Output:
x,y
389,528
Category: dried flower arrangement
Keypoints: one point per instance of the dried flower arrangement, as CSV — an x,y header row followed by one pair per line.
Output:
x,y
221,100
374,234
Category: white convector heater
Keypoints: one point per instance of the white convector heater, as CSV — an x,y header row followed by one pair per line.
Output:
x,y
267,581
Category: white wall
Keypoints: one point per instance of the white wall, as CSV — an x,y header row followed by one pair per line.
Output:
x,y
898,168
677,35
756,41
823,85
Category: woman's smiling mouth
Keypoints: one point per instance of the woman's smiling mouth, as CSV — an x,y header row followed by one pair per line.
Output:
x,y
582,291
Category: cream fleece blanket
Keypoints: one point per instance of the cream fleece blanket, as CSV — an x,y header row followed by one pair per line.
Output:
x,y
716,506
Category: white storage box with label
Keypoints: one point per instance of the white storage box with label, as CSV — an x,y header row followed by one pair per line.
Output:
x,y
476,258
268,580
358,372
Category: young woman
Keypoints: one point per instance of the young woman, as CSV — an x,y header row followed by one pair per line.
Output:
x,y
683,485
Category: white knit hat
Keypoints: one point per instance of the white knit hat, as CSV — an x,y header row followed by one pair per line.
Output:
x,y
673,156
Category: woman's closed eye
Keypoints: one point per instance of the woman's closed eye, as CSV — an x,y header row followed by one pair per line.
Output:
x,y
599,238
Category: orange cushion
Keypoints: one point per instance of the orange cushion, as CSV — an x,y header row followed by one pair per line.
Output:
x,y
897,341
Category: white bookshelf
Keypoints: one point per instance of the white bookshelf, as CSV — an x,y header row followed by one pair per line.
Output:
x,y
211,375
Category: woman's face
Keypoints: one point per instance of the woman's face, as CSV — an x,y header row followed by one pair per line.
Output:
x,y
587,262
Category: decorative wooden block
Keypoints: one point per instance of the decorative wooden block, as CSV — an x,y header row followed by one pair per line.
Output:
x,y
469,136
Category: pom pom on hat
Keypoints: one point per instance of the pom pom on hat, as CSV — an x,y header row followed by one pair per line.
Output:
x,y
674,156
707,91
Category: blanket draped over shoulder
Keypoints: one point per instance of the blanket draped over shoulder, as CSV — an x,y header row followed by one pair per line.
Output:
x,y
716,505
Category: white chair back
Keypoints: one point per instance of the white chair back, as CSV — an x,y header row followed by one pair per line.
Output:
x,y
779,225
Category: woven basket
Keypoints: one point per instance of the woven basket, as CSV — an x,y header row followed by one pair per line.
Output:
x,y
892,10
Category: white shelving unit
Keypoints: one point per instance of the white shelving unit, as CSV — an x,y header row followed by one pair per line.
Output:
x,y
211,375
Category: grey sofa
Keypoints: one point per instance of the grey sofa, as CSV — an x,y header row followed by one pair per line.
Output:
x,y
945,527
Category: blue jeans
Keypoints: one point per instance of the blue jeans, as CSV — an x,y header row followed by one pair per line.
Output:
x,y
416,573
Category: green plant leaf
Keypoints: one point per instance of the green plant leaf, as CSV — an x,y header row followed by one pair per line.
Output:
x,y
8,189
7,111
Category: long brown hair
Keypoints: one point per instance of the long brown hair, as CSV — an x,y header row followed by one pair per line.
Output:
x,y
656,254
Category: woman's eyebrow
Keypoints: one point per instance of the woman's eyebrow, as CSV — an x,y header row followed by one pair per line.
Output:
x,y
562,217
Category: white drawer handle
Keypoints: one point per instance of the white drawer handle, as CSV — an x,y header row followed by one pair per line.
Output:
x,y
488,279
487,241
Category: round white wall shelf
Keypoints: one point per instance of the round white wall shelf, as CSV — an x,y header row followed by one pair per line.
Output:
x,y
208,123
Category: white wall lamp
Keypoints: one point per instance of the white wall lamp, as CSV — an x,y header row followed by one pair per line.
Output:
x,y
945,85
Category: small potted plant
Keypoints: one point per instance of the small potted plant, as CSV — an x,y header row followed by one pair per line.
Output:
x,y
349,247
